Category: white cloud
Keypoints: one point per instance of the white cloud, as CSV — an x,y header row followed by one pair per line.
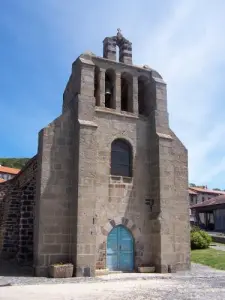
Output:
x,y
187,49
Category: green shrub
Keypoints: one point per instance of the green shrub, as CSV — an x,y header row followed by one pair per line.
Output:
x,y
195,228
206,236
200,239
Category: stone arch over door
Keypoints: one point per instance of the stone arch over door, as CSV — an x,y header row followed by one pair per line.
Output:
x,y
129,224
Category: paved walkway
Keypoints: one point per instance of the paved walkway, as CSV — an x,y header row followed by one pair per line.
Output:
x,y
200,283
220,247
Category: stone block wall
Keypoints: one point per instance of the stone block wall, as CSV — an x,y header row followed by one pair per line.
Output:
x,y
55,202
26,222
11,223
17,218
181,220
121,200
4,190
84,254
169,186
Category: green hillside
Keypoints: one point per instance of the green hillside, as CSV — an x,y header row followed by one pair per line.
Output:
x,y
17,163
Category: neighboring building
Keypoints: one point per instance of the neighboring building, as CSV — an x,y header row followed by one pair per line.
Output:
x,y
109,185
193,197
202,194
7,173
210,214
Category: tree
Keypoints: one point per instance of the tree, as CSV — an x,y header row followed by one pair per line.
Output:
x,y
17,163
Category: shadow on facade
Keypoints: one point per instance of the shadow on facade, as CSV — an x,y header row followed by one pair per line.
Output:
x,y
17,215
56,205
11,267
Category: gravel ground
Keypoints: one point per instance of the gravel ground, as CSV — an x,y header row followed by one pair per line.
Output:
x,y
201,282
197,271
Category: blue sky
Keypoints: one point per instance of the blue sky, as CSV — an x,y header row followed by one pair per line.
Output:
x,y
183,40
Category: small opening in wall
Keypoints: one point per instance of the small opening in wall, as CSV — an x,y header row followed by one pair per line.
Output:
x,y
108,101
117,53
109,88
126,92
97,87
142,81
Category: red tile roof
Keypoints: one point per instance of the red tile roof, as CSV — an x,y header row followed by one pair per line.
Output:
x,y
192,192
213,201
9,170
207,191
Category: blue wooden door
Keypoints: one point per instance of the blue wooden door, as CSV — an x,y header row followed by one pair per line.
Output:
x,y
120,250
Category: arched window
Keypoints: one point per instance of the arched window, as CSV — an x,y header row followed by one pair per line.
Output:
x,y
121,158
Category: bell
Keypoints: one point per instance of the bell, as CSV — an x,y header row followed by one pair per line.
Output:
x,y
108,88
107,91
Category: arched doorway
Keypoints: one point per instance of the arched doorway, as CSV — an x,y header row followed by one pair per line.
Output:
x,y
120,249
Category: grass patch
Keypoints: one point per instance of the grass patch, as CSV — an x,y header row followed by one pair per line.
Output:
x,y
209,257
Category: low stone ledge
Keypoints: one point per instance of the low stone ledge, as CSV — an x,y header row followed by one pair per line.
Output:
x,y
100,272
61,270
146,269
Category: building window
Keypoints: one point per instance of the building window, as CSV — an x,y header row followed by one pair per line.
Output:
x,y
203,199
121,158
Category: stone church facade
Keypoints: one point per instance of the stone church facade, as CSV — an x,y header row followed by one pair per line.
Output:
x,y
108,163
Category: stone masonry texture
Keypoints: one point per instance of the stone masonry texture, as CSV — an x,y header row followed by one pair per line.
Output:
x,y
64,203
17,214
